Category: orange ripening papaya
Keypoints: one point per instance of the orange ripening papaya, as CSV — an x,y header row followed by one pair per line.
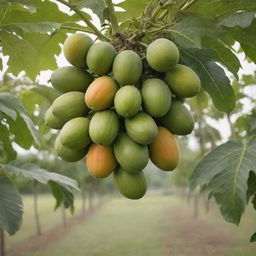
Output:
x,y
100,161
164,152
100,93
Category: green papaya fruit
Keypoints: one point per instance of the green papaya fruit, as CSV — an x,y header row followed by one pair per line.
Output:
x,y
130,185
52,121
178,119
162,55
68,155
127,67
183,81
156,97
141,128
75,133
131,156
75,49
69,78
70,105
100,58
127,101
104,127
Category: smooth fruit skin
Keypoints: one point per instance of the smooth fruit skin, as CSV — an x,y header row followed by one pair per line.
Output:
x,y
127,67
75,49
130,185
141,128
100,58
164,151
100,94
178,119
69,105
69,78
162,55
104,127
156,97
183,81
75,133
127,101
52,121
131,156
100,160
68,155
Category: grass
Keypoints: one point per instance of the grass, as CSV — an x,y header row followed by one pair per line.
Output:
x,y
153,226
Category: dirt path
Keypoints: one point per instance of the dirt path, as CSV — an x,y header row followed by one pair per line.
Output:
x,y
190,236
35,243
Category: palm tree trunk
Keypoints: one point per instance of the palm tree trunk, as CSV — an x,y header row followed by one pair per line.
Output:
x,y
36,212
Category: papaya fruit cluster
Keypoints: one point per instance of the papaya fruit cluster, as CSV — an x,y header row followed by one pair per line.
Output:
x,y
114,117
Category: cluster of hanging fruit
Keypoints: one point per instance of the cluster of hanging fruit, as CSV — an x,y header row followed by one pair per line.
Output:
x,y
116,118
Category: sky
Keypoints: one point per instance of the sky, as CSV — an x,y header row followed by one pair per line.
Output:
x,y
221,125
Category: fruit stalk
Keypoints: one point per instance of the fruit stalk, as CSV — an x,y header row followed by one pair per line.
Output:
x,y
85,19
112,17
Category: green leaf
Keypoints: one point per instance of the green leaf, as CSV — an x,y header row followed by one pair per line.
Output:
x,y
9,153
251,185
1,64
253,238
225,171
249,51
26,3
40,27
29,170
224,55
47,47
62,195
241,19
11,208
97,7
22,56
191,30
133,9
8,111
27,128
217,8
213,77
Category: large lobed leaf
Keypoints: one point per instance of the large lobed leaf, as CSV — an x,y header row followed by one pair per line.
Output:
x,y
225,172
11,208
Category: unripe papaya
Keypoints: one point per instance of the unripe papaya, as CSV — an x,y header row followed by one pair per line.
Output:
x,y
183,81
101,92
100,58
69,78
131,156
162,55
127,101
52,121
156,97
178,119
127,67
141,128
69,105
67,154
100,160
130,185
104,127
75,133
75,49
164,151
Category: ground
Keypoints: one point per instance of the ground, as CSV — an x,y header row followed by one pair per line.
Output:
x,y
154,226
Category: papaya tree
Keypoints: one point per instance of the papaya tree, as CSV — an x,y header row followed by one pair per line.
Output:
x,y
201,34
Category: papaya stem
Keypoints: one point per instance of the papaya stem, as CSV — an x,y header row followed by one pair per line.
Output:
x,y
85,19
112,17
142,44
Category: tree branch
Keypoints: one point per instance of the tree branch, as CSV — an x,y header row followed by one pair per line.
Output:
x,y
112,17
85,19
